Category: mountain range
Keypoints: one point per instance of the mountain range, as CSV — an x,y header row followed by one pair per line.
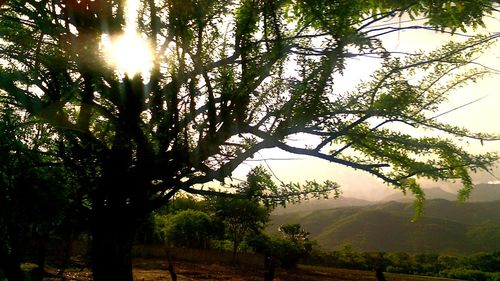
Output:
x,y
445,226
481,193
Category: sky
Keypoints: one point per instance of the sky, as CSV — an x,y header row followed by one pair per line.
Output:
x,y
480,116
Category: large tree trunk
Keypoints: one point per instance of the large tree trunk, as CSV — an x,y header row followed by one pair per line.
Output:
x,y
112,240
120,205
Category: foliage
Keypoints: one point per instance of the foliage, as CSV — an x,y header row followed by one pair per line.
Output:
x,y
38,197
287,252
181,203
294,232
470,275
150,231
240,217
219,92
459,267
246,214
31,185
188,228
288,249
488,262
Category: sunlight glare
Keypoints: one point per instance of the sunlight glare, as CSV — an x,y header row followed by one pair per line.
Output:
x,y
131,14
128,52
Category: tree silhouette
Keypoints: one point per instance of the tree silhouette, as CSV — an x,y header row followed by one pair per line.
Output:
x,y
231,78
35,194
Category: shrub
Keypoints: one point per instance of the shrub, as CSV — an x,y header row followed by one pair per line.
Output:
x,y
188,228
466,274
401,263
488,262
286,251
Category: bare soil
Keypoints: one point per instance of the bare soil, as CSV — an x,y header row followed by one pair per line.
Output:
x,y
156,270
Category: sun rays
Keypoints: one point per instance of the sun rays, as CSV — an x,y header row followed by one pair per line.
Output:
x,y
129,53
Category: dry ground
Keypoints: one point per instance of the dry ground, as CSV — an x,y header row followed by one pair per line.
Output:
x,y
156,270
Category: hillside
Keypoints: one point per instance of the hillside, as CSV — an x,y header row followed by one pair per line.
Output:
x,y
485,192
444,227
430,193
481,193
320,204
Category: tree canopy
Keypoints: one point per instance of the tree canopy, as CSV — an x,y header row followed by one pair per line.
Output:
x,y
230,78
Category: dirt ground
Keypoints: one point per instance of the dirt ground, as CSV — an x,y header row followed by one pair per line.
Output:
x,y
156,270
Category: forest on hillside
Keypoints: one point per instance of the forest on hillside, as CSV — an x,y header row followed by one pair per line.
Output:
x,y
445,227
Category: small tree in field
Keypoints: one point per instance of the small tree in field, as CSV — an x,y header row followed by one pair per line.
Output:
x,y
246,214
228,79
301,247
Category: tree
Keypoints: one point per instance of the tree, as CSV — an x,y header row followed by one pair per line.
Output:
x,y
287,249
301,246
248,213
221,89
34,194
240,217
294,232
10,221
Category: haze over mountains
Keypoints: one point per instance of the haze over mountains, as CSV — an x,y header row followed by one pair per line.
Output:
x,y
444,226
481,193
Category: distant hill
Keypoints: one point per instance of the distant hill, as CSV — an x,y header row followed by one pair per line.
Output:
x,y
444,227
485,192
321,204
481,193
430,193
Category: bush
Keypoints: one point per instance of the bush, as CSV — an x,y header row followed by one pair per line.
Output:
x,y
224,245
449,262
427,264
495,276
287,252
188,228
488,262
480,266
374,261
466,274
396,269
401,263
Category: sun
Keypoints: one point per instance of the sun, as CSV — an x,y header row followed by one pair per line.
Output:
x,y
128,53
